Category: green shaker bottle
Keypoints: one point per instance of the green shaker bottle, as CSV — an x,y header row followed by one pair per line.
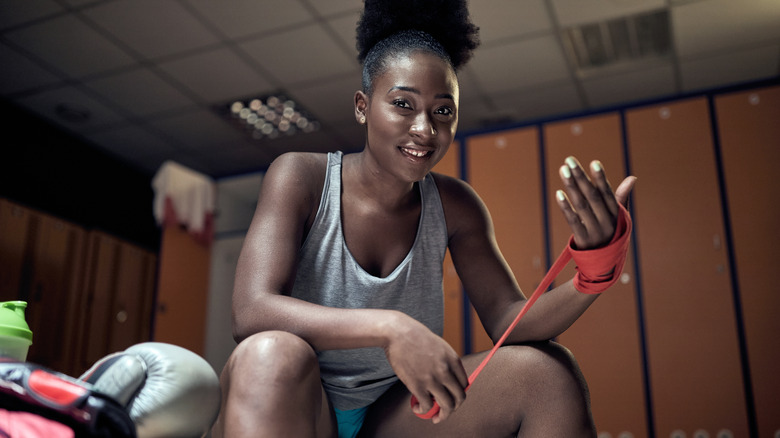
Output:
x,y
15,334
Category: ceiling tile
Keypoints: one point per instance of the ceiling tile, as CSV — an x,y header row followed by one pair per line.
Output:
x,y
330,102
630,87
132,143
151,28
20,73
216,75
499,19
345,28
14,13
334,7
46,103
712,26
240,18
199,130
300,55
140,92
80,3
518,65
574,12
70,46
730,68
540,102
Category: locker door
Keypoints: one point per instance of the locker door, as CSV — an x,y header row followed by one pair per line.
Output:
x,y
182,290
750,143
453,290
57,283
693,352
504,170
14,229
605,339
95,306
131,310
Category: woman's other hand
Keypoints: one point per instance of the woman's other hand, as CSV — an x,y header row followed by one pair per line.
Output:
x,y
589,204
428,366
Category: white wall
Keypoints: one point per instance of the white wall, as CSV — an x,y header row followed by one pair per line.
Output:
x,y
236,202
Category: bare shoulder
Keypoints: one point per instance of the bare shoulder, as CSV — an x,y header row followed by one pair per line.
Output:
x,y
296,172
301,165
293,182
463,208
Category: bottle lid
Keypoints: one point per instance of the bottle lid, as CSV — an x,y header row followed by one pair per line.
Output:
x,y
12,321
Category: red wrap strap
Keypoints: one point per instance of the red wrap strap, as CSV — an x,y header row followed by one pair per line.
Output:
x,y
608,259
598,269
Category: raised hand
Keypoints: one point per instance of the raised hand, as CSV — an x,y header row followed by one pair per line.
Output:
x,y
429,368
589,204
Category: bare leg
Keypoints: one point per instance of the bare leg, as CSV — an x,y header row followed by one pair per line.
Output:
x,y
271,388
532,390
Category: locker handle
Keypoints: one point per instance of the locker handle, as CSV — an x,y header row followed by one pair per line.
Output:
x,y
717,244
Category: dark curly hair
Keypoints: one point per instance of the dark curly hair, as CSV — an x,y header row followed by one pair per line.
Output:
x,y
389,28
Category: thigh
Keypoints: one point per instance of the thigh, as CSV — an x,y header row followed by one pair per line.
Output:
x,y
535,387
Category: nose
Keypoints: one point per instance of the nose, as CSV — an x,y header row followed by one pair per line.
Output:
x,y
422,126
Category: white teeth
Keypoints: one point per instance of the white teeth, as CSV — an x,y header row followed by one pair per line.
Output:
x,y
416,153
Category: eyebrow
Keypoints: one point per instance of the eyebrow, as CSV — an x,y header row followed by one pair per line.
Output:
x,y
416,91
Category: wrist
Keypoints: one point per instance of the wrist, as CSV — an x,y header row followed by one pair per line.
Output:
x,y
388,326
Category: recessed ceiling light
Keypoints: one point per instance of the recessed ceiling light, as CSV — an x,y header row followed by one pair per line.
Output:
x,y
268,117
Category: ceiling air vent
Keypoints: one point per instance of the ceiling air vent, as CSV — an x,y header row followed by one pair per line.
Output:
x,y
618,42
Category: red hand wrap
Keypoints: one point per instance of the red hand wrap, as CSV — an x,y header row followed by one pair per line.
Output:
x,y
598,269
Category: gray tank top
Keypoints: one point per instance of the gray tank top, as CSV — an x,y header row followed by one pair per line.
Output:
x,y
329,275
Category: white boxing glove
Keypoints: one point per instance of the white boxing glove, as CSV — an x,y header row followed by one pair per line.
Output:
x,y
168,390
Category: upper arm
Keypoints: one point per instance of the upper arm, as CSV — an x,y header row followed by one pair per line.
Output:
x,y
485,275
287,203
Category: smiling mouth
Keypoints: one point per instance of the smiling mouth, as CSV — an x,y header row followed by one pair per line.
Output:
x,y
416,153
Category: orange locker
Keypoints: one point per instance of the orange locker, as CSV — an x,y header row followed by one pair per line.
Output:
x,y
749,135
182,290
693,353
453,290
504,170
605,339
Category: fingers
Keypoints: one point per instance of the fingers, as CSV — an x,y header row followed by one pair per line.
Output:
x,y
599,178
588,203
448,393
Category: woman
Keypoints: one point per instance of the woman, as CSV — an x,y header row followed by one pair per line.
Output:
x,y
337,304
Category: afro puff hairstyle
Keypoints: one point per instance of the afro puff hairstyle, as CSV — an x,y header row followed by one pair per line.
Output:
x,y
391,27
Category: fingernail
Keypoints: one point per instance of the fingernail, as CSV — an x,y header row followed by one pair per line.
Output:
x,y
596,166
566,172
571,162
559,194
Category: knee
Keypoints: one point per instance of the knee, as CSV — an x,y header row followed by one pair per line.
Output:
x,y
273,355
545,363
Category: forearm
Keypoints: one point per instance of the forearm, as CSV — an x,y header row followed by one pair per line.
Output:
x,y
553,313
325,328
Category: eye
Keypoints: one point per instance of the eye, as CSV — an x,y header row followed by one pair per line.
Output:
x,y
401,103
444,111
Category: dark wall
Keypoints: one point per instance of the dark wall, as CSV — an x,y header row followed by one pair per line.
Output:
x,y
48,169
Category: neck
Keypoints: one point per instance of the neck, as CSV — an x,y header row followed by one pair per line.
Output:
x,y
364,178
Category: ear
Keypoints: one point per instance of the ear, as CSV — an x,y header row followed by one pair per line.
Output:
x,y
361,104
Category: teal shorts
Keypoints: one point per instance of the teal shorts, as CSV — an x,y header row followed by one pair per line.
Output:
x,y
350,421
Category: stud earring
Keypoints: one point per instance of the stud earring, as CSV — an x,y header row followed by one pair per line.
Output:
x,y
362,119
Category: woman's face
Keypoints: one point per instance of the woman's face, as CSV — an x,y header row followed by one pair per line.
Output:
x,y
411,115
